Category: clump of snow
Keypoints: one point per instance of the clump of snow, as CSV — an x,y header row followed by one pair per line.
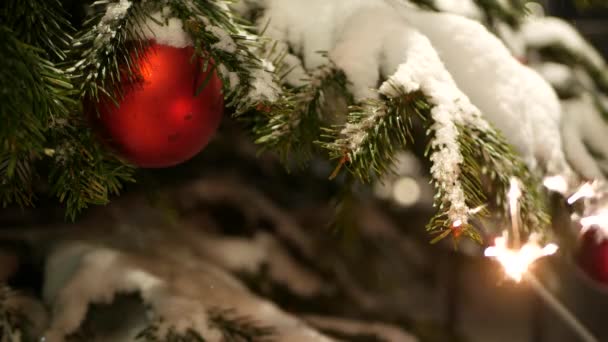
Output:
x,y
366,40
97,275
466,8
233,78
424,71
169,32
263,86
174,281
584,129
510,95
225,41
558,75
357,133
512,40
546,31
116,10
340,27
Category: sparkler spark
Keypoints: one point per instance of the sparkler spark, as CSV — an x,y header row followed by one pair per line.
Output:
x,y
514,195
516,262
587,190
600,219
514,258
557,184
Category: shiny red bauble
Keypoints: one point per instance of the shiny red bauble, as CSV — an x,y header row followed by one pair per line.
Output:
x,y
593,256
161,121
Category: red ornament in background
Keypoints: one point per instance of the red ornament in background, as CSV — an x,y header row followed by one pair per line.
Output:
x,y
161,121
593,256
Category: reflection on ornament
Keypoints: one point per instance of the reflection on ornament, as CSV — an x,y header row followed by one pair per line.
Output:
x,y
166,116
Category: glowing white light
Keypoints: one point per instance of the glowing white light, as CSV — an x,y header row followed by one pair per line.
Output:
x,y
516,262
600,219
585,191
457,223
477,209
514,193
406,191
557,184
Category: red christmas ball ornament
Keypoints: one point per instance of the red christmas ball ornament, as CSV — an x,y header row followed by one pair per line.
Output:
x,y
593,255
161,121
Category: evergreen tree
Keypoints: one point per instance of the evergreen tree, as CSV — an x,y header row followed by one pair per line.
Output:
x,y
335,99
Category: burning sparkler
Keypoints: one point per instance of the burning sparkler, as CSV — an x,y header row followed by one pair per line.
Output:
x,y
516,262
587,190
593,194
516,259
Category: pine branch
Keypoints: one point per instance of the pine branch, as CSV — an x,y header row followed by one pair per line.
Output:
x,y
233,328
106,51
84,172
227,45
367,144
39,23
151,334
292,130
34,93
375,130
236,328
564,55
500,163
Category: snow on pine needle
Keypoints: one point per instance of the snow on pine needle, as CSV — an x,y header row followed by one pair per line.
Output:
x,y
236,53
461,139
424,72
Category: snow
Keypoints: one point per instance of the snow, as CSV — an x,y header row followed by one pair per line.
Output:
x,y
100,275
424,71
116,11
170,32
367,40
384,332
512,40
510,95
263,86
466,8
225,41
176,284
339,28
546,31
558,75
585,130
